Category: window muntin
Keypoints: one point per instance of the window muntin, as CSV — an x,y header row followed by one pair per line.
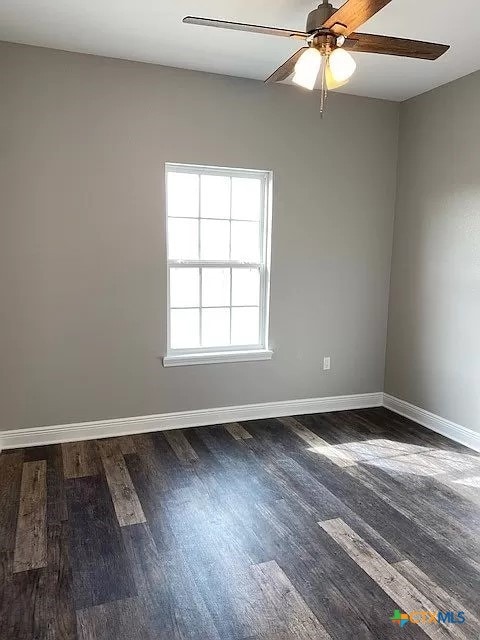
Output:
x,y
218,245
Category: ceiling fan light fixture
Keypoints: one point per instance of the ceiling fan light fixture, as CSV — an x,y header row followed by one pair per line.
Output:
x,y
321,56
341,66
307,68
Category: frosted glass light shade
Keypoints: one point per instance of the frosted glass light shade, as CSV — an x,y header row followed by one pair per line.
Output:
x,y
342,66
307,68
330,80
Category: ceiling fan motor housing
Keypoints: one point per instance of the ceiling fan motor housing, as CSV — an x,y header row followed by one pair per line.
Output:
x,y
319,16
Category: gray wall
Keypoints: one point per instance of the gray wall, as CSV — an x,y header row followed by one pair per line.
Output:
x,y
433,357
83,142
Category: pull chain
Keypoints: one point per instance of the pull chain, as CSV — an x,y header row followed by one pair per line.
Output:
x,y
324,88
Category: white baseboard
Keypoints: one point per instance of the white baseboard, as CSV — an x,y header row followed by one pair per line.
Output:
x,y
55,434
446,428
31,437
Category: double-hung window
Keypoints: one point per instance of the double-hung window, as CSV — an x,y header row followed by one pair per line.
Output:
x,y
218,246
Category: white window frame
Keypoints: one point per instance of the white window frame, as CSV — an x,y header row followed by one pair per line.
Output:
x,y
243,353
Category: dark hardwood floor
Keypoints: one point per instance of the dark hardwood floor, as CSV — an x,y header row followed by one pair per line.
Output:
x,y
311,527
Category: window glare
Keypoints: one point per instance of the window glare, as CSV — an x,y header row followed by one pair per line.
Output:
x,y
245,241
215,199
246,198
245,287
184,328
184,287
216,287
245,325
183,189
215,240
182,239
215,327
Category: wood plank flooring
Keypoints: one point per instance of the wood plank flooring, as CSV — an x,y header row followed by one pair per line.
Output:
x,y
31,538
311,527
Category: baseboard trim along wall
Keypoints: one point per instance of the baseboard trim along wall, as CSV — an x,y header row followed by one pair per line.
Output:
x,y
444,427
143,424
55,434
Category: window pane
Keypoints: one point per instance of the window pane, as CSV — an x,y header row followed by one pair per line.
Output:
x,y
184,328
246,198
245,241
215,327
184,287
215,239
182,194
182,239
215,287
245,325
245,286
215,197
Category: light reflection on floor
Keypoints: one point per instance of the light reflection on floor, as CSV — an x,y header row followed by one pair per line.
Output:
x,y
456,469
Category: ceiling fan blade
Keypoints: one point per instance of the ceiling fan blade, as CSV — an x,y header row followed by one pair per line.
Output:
x,y
240,26
286,69
353,14
389,46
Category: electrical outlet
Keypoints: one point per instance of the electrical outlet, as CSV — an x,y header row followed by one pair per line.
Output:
x,y
326,363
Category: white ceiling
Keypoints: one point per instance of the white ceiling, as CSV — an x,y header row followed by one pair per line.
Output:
x,y
152,31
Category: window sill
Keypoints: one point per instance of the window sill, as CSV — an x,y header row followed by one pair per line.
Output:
x,y
216,358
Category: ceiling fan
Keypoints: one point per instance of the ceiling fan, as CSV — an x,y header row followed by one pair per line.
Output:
x,y
329,35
